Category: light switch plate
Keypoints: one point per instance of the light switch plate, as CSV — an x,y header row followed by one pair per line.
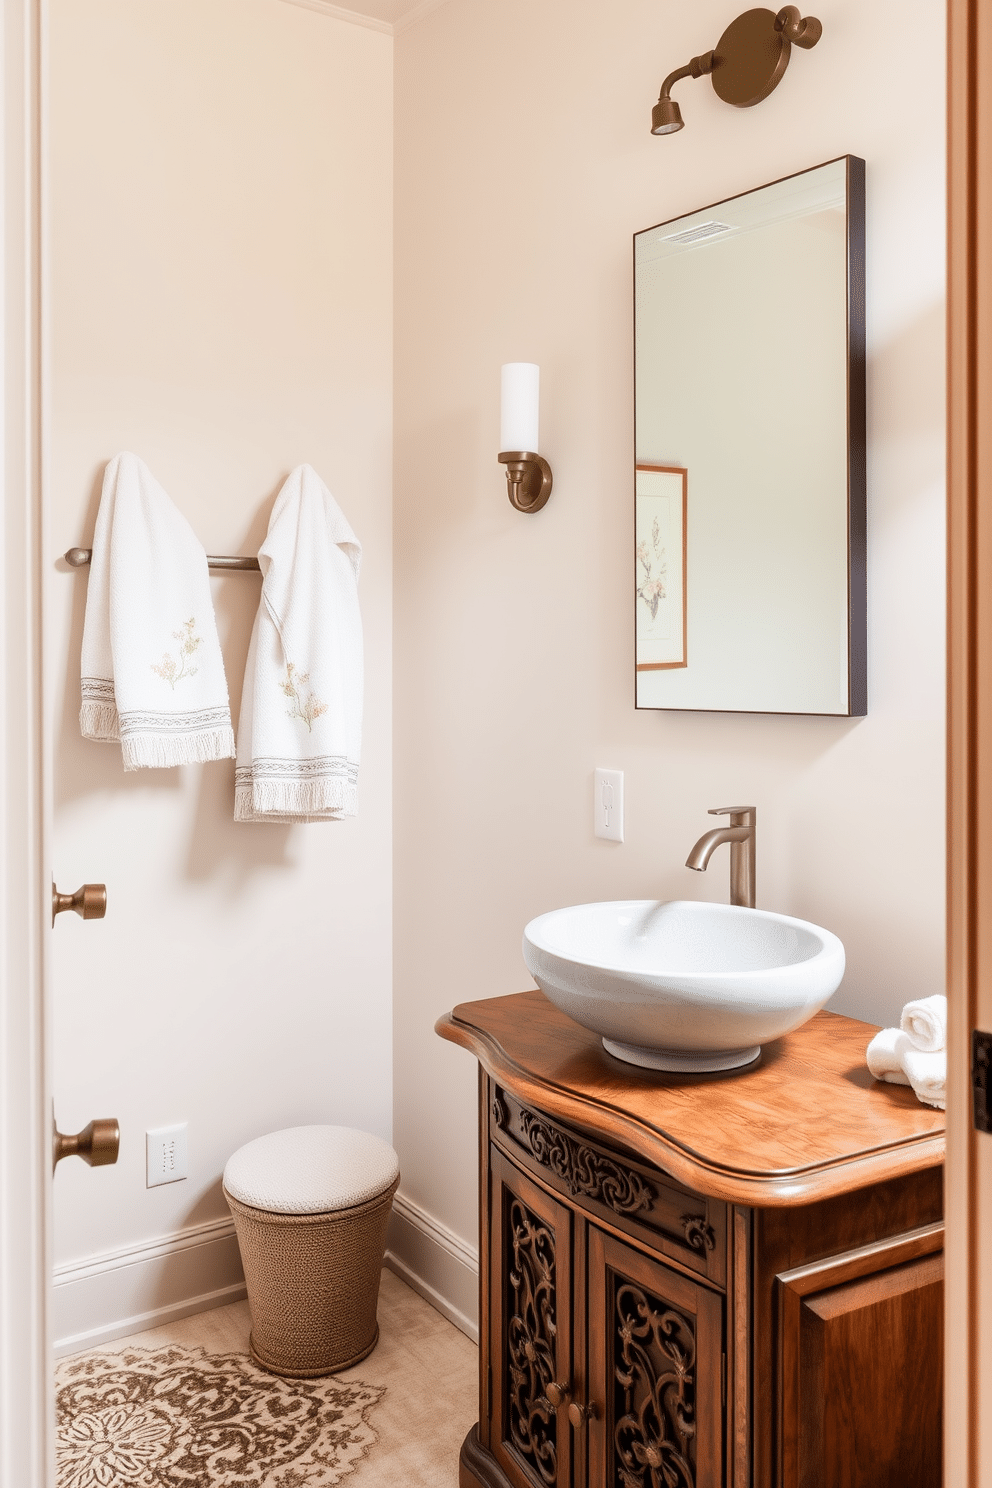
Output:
x,y
166,1156
608,805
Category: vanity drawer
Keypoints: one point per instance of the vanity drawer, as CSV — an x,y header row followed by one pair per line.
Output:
x,y
640,1200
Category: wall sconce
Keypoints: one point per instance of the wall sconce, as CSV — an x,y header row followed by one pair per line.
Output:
x,y
528,475
747,63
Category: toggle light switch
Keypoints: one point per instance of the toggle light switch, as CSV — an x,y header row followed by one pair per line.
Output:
x,y
608,805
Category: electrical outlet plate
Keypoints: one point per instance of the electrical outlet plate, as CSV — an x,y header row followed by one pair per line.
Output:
x,y
166,1156
608,805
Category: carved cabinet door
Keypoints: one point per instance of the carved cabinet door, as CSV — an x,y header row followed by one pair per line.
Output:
x,y
655,1343
530,1330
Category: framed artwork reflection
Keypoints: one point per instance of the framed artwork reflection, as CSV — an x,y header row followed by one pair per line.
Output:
x,y
660,566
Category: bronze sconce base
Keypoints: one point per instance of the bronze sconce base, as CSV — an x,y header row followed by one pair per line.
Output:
x,y
747,63
528,479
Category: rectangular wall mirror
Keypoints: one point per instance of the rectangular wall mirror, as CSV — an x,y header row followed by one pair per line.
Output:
x,y
750,451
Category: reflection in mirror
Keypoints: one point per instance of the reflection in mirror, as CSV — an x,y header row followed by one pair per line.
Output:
x,y
659,526
750,450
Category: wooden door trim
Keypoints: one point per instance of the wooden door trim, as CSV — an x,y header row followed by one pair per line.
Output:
x,y
968,1291
26,1392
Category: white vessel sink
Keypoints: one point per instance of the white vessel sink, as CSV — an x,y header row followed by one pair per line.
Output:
x,y
683,986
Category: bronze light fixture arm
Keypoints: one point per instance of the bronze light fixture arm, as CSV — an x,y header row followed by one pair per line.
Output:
x,y
747,63
666,116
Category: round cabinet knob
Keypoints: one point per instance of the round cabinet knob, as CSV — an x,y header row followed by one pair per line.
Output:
x,y
580,1414
89,902
557,1395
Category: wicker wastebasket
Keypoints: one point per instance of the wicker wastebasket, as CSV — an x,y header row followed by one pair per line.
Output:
x,y
310,1207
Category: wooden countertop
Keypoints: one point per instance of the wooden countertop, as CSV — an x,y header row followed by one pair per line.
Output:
x,y
805,1122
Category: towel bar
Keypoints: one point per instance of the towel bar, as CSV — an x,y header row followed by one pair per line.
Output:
x,y
79,557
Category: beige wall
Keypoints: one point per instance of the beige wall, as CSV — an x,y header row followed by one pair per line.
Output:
x,y
221,258
221,254
523,166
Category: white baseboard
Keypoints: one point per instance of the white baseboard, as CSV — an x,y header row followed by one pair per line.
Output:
x,y
99,1298
119,1292
436,1263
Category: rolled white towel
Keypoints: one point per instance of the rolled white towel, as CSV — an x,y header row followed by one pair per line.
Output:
x,y
928,1076
925,1023
885,1056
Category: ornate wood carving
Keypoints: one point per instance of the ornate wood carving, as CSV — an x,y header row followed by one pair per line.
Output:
x,y
698,1232
499,1112
654,1359
583,1170
531,1341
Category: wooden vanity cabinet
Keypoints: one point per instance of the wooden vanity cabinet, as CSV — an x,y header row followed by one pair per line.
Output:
x,y
634,1348
770,1322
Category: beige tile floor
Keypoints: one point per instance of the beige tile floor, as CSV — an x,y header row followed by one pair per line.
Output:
x,y
429,1368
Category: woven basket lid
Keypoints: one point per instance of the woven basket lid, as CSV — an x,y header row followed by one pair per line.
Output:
x,y
311,1170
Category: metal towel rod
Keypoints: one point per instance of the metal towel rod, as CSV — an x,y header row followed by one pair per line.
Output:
x,y
79,557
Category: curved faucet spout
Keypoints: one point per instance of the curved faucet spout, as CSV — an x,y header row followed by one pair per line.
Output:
x,y
710,841
741,836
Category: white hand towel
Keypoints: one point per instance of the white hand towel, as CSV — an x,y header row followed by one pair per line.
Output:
x,y
928,1076
299,735
885,1056
925,1021
152,671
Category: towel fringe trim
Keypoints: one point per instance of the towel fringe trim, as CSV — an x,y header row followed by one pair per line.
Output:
x,y
153,751
99,721
310,800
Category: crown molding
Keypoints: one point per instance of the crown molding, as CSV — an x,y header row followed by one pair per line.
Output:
x,y
417,14
371,23
339,13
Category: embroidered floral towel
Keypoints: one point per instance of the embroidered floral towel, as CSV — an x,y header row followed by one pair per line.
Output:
x,y
152,672
300,731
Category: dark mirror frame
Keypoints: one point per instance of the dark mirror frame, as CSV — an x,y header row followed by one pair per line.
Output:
x,y
857,578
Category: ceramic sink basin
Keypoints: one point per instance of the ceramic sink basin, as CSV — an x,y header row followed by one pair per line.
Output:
x,y
683,986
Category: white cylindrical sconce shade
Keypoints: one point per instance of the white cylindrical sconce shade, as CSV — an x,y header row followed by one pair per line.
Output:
x,y
520,406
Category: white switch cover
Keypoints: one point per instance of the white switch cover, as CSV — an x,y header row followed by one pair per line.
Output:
x,y
165,1151
608,805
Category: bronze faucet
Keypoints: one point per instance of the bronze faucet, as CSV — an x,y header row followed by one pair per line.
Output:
x,y
740,835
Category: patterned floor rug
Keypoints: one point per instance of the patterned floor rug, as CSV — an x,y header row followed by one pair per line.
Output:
x,y
182,1418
